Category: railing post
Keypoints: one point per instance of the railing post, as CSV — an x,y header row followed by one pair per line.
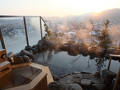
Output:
x,y
117,79
41,27
1,39
109,63
26,34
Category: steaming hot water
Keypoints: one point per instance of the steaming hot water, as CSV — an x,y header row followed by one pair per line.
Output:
x,y
60,63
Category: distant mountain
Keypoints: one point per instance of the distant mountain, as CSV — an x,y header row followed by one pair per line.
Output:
x,y
113,15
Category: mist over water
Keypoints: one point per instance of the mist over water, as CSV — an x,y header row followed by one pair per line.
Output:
x,y
72,28
83,30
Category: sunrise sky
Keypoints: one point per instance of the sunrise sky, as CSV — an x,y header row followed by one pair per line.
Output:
x,y
55,7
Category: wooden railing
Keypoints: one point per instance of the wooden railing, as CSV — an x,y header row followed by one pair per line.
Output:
x,y
1,40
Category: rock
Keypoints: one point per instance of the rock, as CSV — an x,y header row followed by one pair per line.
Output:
x,y
42,45
77,78
92,56
75,72
73,50
71,86
26,58
28,48
67,79
64,47
72,53
99,86
35,50
45,44
74,86
87,76
74,80
11,57
108,76
18,60
79,75
97,81
23,57
86,82
25,52
97,74
53,86
55,77
106,73
40,42
10,54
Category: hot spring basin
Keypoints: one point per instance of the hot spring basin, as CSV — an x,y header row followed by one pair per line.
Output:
x,y
29,77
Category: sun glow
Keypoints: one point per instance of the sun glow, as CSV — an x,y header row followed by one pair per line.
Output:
x,y
92,5
83,6
56,7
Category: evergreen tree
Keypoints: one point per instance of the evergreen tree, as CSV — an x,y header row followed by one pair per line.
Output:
x,y
104,38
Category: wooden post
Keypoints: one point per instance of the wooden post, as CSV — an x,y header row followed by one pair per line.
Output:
x,y
2,40
26,34
41,27
117,79
109,63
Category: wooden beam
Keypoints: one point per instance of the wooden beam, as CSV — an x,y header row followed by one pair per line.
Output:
x,y
26,34
41,27
111,55
2,40
44,69
5,68
10,16
109,63
20,65
114,55
3,55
